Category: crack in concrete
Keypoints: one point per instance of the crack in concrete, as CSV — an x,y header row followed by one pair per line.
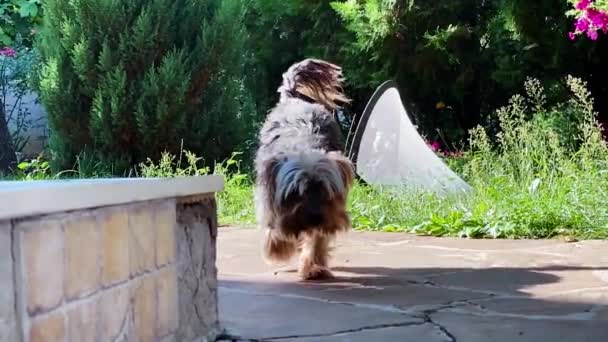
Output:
x,y
427,315
433,308
481,310
235,338
349,331
459,307
123,332
466,289
441,328
576,316
432,284
424,283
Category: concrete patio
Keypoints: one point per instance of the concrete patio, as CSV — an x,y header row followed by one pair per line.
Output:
x,y
398,287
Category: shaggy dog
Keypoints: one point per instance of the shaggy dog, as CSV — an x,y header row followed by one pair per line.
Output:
x,y
302,178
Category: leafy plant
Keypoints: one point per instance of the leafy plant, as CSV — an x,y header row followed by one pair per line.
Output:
x,y
235,205
167,167
35,169
16,65
19,19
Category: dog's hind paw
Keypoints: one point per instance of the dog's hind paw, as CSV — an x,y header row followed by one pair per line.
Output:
x,y
315,272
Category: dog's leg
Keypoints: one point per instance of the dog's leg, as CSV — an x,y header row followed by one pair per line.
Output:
x,y
314,257
277,249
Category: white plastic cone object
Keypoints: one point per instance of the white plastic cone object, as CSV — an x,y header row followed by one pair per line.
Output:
x,y
387,149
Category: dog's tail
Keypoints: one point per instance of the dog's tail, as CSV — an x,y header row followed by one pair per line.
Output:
x,y
307,175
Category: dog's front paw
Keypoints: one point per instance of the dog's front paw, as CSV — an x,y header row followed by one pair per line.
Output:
x,y
315,272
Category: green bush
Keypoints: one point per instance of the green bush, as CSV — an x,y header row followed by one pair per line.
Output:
x,y
127,80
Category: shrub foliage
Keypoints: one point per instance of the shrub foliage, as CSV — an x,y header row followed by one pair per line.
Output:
x,y
131,79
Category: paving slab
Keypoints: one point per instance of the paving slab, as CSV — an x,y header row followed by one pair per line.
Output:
x,y
290,316
474,328
399,287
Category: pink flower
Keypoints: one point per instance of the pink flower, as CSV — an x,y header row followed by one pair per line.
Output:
x,y
583,4
597,18
8,52
582,24
434,146
590,21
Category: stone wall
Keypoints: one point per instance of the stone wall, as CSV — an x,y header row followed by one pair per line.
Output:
x,y
133,272
196,267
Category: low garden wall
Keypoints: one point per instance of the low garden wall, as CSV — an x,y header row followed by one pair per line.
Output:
x,y
109,260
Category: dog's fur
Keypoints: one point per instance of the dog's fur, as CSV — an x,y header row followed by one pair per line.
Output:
x,y
302,178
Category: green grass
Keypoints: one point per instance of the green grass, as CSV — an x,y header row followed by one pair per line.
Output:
x,y
500,210
545,175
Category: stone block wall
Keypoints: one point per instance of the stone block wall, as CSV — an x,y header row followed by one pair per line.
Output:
x,y
135,272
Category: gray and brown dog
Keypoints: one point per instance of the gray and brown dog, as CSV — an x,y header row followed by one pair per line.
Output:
x,y
303,179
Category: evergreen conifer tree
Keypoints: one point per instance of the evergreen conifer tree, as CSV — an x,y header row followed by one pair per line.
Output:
x,y
130,79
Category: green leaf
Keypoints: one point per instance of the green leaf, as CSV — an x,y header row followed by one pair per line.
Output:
x,y
3,9
23,165
391,228
363,221
28,8
5,39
